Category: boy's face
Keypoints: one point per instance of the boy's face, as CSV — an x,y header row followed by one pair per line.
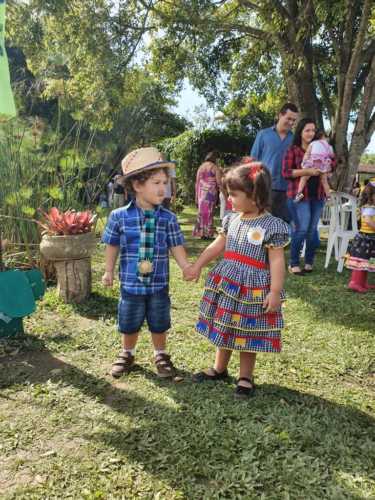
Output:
x,y
151,192
287,120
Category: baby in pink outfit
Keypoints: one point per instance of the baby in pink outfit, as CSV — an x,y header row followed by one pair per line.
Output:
x,y
319,155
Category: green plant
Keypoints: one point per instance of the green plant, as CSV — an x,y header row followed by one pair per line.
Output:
x,y
39,168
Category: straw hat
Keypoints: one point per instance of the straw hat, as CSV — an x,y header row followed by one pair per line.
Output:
x,y
143,159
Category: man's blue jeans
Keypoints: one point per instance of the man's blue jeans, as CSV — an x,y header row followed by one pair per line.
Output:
x,y
305,217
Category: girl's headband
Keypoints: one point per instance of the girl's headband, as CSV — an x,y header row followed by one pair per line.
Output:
x,y
254,171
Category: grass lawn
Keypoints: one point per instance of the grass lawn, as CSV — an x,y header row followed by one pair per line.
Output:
x,y
67,430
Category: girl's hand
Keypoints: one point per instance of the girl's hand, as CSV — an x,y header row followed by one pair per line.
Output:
x,y
107,278
272,302
312,171
192,273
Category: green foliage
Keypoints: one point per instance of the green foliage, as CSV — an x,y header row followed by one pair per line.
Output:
x,y
368,159
318,53
190,148
39,170
82,54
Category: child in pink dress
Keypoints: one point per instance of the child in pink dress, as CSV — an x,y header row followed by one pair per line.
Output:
x,y
318,155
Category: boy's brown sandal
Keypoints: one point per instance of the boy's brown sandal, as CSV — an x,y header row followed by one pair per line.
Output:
x,y
123,364
164,366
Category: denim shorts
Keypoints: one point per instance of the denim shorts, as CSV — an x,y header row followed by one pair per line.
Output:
x,y
134,309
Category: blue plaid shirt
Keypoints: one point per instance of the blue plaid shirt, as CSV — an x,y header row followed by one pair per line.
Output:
x,y
124,229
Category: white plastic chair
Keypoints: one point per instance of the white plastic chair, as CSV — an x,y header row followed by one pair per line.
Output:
x,y
324,218
343,214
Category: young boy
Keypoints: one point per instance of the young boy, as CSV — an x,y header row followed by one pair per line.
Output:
x,y
143,233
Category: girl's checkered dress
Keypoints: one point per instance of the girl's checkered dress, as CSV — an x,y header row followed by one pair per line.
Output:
x,y
231,311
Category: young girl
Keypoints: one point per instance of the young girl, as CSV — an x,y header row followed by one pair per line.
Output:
x,y
241,304
318,155
226,206
361,254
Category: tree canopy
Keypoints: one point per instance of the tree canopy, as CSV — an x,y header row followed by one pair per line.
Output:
x,y
86,56
320,53
103,60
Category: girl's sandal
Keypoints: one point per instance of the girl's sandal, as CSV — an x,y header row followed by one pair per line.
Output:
x,y
203,376
244,392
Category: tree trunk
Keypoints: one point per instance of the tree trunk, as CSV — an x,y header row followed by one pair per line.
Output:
x,y
73,280
48,269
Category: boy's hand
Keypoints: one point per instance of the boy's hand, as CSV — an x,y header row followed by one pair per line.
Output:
x,y
272,302
191,273
107,278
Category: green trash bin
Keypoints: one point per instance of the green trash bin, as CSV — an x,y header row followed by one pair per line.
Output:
x,y
16,301
11,328
37,283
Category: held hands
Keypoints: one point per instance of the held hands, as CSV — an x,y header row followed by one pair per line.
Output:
x,y
107,278
272,302
191,272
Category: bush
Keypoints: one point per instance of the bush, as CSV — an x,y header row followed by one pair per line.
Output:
x,y
190,148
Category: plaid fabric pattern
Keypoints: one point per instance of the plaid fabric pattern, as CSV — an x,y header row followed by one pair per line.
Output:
x,y
231,312
124,229
146,244
293,161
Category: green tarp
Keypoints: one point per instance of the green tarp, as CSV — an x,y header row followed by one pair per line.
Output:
x,y
7,107
16,295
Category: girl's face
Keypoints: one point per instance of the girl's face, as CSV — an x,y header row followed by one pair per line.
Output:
x,y
308,133
242,203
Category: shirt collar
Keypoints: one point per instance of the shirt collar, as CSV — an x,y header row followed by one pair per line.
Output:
x,y
140,211
274,128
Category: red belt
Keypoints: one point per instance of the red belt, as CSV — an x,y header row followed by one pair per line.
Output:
x,y
245,260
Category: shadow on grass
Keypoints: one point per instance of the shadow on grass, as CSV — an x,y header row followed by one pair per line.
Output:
x,y
216,447
208,445
97,306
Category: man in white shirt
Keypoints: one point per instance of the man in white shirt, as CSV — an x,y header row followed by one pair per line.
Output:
x,y
170,190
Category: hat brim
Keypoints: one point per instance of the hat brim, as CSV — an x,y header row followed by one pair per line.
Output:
x,y
151,166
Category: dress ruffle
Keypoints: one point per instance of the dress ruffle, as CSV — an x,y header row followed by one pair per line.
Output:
x,y
361,253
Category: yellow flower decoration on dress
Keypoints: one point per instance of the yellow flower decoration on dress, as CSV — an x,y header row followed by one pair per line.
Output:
x,y
256,235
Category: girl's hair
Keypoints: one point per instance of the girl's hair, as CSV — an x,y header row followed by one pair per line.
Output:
x,y
320,134
253,179
142,177
297,140
211,156
367,195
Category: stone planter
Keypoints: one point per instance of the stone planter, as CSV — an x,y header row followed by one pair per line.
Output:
x,y
71,255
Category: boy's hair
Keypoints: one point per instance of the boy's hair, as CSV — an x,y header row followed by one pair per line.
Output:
x,y
288,106
143,176
253,179
367,194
